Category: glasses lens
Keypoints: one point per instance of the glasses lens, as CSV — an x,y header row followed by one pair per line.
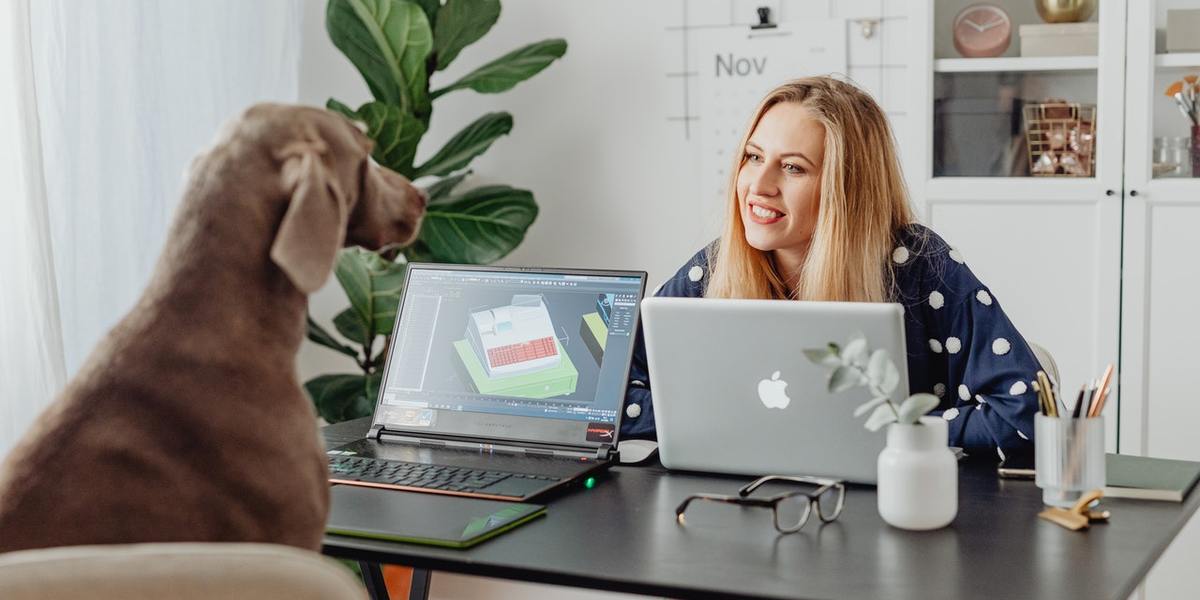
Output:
x,y
829,503
792,512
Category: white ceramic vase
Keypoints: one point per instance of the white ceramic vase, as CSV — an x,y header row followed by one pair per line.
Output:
x,y
918,476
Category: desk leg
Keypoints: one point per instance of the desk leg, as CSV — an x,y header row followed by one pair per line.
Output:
x,y
372,575
420,584
373,578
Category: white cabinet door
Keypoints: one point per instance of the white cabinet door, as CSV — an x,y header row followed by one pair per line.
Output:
x,y
1160,328
1052,258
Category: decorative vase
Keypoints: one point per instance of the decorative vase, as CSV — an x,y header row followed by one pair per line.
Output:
x,y
918,476
1065,11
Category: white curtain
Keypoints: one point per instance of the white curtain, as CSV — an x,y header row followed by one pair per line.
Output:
x,y
124,93
31,353
129,91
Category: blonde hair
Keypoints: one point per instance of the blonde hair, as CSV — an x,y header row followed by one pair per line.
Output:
x,y
863,202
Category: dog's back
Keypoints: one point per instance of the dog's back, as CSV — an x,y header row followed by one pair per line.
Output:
x,y
151,446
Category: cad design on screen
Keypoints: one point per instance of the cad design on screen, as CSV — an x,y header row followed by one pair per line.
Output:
x,y
519,344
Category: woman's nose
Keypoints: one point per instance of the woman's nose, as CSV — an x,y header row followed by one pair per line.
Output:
x,y
762,182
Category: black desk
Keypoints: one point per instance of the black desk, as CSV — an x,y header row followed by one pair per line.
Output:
x,y
622,536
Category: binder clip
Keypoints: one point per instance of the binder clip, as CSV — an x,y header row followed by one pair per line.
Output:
x,y
764,18
1079,516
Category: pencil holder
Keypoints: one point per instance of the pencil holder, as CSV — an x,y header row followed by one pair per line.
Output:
x,y
1068,457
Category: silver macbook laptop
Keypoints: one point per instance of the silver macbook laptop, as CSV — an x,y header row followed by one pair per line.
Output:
x,y
733,392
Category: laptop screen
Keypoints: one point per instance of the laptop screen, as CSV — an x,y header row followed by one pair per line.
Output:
x,y
511,354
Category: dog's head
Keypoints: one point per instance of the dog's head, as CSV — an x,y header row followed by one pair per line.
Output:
x,y
336,194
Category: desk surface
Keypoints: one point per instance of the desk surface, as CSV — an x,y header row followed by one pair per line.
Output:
x,y
622,536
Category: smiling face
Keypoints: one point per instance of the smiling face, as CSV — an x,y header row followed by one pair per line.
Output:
x,y
779,183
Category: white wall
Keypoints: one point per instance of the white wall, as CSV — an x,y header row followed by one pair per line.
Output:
x,y
615,177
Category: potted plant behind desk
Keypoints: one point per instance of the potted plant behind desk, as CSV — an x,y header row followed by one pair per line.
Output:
x,y
918,474
399,46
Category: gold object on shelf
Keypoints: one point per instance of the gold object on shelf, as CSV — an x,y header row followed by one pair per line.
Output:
x,y
1061,137
1065,11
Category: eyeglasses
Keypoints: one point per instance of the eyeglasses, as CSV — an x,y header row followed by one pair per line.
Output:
x,y
791,509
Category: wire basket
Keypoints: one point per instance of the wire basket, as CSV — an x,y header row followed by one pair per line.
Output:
x,y
1061,137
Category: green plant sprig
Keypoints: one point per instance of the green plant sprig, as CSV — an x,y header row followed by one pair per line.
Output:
x,y
857,366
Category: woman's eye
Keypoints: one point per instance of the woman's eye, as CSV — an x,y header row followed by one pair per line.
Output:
x,y
793,169
752,157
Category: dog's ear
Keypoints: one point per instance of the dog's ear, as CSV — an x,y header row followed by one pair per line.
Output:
x,y
314,226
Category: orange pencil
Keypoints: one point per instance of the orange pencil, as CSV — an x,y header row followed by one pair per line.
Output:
x,y
1102,395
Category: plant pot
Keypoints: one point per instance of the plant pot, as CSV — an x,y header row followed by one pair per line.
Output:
x,y
918,476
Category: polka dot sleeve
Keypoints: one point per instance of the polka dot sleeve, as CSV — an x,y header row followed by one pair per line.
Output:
x,y
637,421
987,364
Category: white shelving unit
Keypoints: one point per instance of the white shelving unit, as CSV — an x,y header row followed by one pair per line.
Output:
x,y
1016,64
1177,59
1049,247
1099,269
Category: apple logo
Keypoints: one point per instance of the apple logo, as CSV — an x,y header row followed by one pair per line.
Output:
x,y
773,392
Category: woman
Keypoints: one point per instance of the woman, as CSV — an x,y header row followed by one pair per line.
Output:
x,y
818,211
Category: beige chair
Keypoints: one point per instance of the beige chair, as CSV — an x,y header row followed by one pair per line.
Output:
x,y
1047,362
208,571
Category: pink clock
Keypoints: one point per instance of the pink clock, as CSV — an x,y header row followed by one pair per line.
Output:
x,y
982,30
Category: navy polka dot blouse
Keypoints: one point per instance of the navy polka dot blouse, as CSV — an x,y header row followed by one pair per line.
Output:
x,y
961,347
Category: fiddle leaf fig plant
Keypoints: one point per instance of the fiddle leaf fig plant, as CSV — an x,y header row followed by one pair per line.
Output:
x,y
855,365
400,47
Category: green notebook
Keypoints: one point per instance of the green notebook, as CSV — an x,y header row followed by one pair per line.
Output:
x,y
417,518
1144,478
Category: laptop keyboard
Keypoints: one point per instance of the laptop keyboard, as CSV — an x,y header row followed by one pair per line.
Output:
x,y
421,475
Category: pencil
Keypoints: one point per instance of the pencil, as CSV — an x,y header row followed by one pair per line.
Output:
x,y
1102,392
1041,399
1050,399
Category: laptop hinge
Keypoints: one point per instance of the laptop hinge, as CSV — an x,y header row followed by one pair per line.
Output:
x,y
556,453
375,433
489,446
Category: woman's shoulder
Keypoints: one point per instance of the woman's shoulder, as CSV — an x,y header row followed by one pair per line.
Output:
x,y
918,241
691,278
925,262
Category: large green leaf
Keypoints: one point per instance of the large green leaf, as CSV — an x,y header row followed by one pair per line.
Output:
x,y
396,135
441,190
509,70
351,326
418,252
459,24
480,226
472,141
337,107
362,404
318,334
372,388
431,8
335,395
373,286
388,42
